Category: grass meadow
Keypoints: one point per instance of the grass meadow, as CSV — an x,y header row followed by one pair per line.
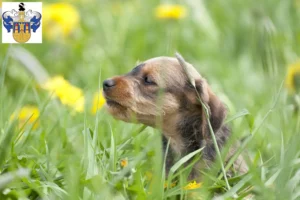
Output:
x,y
56,144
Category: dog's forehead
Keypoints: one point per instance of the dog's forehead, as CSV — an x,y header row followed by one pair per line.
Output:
x,y
164,67
165,70
157,65
163,63
170,65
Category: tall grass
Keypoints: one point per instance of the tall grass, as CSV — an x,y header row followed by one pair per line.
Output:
x,y
241,48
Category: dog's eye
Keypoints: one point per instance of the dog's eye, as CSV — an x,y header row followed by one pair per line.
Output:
x,y
148,80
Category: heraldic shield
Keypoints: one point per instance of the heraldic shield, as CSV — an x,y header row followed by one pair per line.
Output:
x,y
21,23
21,31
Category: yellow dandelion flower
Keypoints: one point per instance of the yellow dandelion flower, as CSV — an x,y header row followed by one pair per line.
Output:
x,y
124,162
169,11
60,20
98,102
27,114
68,94
192,185
293,77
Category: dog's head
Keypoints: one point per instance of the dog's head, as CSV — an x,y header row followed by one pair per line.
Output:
x,y
160,89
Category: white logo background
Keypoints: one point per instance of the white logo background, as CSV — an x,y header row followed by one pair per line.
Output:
x,y
34,6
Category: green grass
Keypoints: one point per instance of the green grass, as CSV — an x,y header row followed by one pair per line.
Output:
x,y
242,48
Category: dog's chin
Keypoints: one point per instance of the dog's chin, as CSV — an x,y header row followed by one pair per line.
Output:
x,y
113,104
120,112
117,110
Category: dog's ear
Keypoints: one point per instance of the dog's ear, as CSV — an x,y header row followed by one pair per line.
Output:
x,y
217,110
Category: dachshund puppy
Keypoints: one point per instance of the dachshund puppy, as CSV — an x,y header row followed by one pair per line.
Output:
x,y
159,93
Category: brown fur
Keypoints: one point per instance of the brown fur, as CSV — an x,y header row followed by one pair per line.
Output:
x,y
159,90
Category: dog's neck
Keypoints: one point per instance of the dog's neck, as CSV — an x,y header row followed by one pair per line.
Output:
x,y
185,132
170,132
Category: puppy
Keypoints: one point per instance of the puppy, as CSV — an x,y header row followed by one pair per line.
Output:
x,y
159,93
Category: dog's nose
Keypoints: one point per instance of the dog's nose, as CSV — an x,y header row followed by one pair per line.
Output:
x,y
109,83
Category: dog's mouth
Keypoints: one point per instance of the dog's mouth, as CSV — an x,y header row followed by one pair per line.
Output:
x,y
110,102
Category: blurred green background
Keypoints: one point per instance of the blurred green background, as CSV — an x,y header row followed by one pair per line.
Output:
x,y
247,50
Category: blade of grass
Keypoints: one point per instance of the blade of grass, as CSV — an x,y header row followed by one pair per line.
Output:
x,y
163,178
31,63
183,64
7,178
181,162
271,180
237,115
237,187
6,142
112,153
252,134
3,72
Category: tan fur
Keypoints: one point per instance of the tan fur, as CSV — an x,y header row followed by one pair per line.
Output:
x,y
170,99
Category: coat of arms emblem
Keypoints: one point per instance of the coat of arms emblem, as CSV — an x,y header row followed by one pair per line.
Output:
x,y
22,23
